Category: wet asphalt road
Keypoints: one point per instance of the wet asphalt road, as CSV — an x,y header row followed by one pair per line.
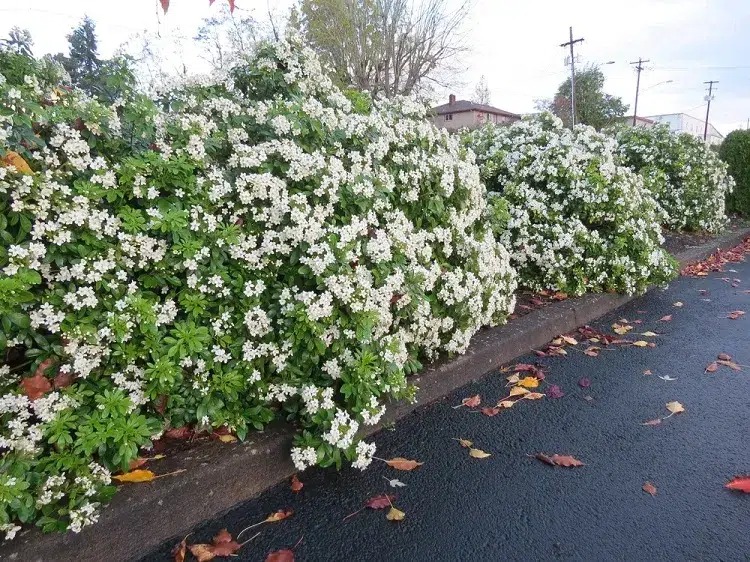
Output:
x,y
513,507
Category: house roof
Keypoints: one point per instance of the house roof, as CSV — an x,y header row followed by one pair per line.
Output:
x,y
465,105
639,118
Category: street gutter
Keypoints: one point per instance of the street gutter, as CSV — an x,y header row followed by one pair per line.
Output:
x,y
218,476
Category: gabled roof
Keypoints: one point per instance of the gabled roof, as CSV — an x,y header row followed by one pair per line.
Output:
x,y
465,105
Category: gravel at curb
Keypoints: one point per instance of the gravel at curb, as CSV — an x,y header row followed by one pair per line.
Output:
x,y
219,476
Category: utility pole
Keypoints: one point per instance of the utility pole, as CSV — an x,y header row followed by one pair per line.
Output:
x,y
708,109
572,75
638,66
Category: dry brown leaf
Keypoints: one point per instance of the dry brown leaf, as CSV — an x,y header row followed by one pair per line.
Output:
x,y
465,443
649,488
559,460
286,555
533,396
506,403
641,343
514,378
478,453
621,329
400,463
12,158
489,412
735,314
471,401
279,515
518,391
569,340
724,357
731,364
712,367
179,551
202,552
295,484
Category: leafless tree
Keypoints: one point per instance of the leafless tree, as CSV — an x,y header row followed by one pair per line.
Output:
x,y
387,46
482,92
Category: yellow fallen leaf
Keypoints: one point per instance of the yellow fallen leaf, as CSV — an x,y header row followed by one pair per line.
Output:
x,y
139,475
675,407
621,329
649,334
594,340
395,515
529,382
534,396
16,160
228,438
505,404
514,378
478,454
557,341
518,391
465,443
569,340
640,343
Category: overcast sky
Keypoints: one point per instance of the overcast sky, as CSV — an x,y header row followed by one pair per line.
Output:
x,y
515,44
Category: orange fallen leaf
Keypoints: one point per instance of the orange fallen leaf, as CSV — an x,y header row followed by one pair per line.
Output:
x,y
649,488
735,314
12,158
221,545
529,382
179,551
138,475
739,484
712,367
400,463
285,555
470,402
36,386
279,515
296,485
559,460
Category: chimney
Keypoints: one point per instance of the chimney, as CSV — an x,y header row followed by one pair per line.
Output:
x,y
452,99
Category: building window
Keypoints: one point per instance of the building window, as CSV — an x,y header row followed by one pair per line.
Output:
x,y
449,117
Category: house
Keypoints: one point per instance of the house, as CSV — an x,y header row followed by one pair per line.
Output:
x,y
460,114
639,121
683,123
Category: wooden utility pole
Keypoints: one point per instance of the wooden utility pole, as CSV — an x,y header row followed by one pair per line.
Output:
x,y
708,109
572,75
638,66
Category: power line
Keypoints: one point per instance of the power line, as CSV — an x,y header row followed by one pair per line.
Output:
x,y
639,67
570,44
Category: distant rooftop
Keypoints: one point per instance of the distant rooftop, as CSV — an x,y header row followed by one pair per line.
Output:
x,y
457,106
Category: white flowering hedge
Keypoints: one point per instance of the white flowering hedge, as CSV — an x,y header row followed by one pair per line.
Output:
x,y
688,179
578,221
250,251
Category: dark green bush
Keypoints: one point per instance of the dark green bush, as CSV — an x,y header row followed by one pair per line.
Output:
x,y
735,151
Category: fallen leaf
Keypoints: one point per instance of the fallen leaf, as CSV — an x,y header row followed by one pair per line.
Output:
x,y
202,552
667,378
675,407
647,372
380,502
517,391
584,383
513,379
227,438
138,475
712,367
667,318
489,412
592,351
678,304
465,443
36,386
179,551
395,483
279,515
395,515
507,403
649,488
137,463
12,158
649,334
640,343
569,340
555,391
529,382
478,454
470,402
735,314
285,555
739,483
295,484
552,350
400,463
222,545
533,396
559,460
657,421
724,357
621,329
63,380
731,364
588,398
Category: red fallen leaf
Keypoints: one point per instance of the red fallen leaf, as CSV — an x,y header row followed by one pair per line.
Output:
x,y
380,502
555,391
183,432
667,318
470,402
36,386
296,485
164,5
489,412
537,302
63,380
285,555
523,367
649,488
584,383
221,545
712,367
739,484
136,463
539,353
724,357
735,314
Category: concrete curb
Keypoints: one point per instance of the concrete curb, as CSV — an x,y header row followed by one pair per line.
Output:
x,y
219,476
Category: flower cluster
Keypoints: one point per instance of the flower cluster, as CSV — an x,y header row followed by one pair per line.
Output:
x,y
246,250
686,176
577,220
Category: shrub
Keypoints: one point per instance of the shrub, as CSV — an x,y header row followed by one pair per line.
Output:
x,y
735,151
254,250
687,178
578,221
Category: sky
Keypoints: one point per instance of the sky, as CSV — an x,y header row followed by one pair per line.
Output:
x,y
514,44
